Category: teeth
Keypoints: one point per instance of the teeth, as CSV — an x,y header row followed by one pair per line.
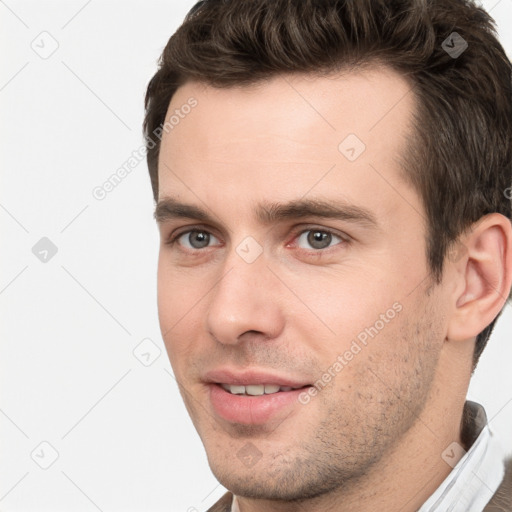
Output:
x,y
237,390
255,389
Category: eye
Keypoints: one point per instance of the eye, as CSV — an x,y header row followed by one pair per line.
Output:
x,y
194,239
317,239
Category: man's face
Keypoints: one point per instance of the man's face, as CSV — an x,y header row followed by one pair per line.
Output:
x,y
302,297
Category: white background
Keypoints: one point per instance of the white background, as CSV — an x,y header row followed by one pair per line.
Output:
x,y
69,326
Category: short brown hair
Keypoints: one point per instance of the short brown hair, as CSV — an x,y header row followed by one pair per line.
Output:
x,y
459,157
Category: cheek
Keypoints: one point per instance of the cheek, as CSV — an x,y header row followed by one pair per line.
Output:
x,y
179,309
179,291
340,306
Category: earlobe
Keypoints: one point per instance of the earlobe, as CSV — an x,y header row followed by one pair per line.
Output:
x,y
485,276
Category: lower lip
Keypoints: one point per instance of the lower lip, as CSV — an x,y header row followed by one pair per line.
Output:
x,y
251,410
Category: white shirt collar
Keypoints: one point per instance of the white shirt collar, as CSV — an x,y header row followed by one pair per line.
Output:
x,y
474,478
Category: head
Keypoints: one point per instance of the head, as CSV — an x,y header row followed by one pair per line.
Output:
x,y
264,118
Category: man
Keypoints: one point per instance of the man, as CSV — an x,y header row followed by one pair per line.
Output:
x,y
336,246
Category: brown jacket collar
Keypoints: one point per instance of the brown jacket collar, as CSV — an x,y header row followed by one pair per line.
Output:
x,y
502,499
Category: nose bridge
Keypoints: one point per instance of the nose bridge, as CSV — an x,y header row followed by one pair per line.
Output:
x,y
244,299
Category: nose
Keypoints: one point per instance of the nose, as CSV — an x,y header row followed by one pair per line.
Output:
x,y
246,299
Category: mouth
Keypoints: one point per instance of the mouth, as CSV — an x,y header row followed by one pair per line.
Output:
x,y
254,396
257,389
255,404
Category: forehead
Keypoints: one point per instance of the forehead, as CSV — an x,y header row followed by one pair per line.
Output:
x,y
288,135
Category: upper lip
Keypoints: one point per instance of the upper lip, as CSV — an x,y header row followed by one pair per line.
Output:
x,y
247,377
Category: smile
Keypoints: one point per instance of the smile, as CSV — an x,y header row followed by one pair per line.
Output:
x,y
256,389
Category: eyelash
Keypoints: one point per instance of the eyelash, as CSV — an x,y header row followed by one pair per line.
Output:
x,y
344,238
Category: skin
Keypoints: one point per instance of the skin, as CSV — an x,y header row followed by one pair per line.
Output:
x,y
373,437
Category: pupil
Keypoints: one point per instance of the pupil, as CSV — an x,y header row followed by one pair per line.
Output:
x,y
199,239
319,239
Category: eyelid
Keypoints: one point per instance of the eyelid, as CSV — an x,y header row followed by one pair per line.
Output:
x,y
345,239
297,232
172,238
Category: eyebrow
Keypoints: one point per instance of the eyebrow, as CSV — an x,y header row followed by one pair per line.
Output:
x,y
269,213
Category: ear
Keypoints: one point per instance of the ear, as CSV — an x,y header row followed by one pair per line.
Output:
x,y
483,274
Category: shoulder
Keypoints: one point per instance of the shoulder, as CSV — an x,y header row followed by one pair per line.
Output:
x,y
502,499
223,505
